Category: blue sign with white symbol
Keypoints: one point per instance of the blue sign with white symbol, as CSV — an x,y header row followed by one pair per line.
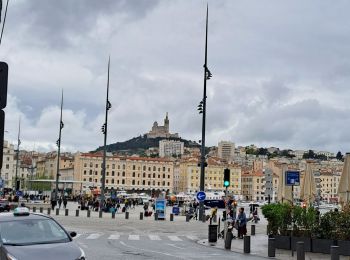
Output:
x,y
292,178
19,193
201,196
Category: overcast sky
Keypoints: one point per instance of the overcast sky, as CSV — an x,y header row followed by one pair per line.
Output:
x,y
281,71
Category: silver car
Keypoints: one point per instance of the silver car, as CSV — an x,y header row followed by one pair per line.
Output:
x,y
30,236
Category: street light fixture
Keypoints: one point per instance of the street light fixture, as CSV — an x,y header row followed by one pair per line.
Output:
x,y
202,110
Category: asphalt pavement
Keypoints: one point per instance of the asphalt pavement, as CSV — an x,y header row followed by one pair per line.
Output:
x,y
120,238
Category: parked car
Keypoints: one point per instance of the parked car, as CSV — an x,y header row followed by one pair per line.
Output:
x,y
4,205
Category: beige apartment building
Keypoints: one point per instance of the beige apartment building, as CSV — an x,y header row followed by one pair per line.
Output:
x,y
329,182
125,173
189,179
8,164
47,166
253,186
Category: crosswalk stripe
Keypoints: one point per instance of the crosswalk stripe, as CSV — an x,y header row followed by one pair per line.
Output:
x,y
134,237
94,236
154,237
174,238
115,236
192,237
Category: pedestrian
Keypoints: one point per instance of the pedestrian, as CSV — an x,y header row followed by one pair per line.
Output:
x,y
53,203
133,204
65,202
59,202
242,223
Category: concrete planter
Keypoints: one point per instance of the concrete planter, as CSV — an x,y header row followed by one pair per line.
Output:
x,y
306,240
322,245
344,247
282,242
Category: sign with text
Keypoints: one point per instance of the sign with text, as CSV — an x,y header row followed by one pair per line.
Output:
x,y
292,178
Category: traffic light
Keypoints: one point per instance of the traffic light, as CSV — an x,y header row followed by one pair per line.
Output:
x,y
226,177
2,130
3,84
3,100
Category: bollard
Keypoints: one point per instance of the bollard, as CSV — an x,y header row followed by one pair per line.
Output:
x,y
77,213
171,217
212,233
334,252
204,217
126,214
34,209
300,250
187,218
66,212
57,211
228,240
141,215
155,216
88,213
246,246
41,209
271,249
252,230
48,211
100,214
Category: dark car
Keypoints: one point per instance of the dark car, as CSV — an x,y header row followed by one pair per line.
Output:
x,y
4,205
30,236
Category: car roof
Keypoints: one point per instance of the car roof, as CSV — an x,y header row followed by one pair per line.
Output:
x,y
9,216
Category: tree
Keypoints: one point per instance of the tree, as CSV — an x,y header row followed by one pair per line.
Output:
x,y
309,155
339,156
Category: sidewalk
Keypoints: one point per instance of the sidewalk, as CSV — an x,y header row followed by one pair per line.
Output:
x,y
258,247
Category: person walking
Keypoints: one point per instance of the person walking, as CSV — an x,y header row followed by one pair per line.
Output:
x,y
59,202
65,202
242,223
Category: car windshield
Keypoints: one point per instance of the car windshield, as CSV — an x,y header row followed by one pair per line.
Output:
x,y
31,231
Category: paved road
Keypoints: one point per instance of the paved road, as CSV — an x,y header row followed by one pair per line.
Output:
x,y
119,245
120,238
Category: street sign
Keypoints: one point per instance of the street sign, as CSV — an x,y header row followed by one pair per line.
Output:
x,y
19,193
292,178
201,196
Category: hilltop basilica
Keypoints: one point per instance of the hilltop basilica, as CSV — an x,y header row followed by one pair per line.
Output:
x,y
161,131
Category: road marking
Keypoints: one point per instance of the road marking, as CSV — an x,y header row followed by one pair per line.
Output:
x,y
175,246
154,237
174,238
94,236
134,237
192,237
114,236
151,251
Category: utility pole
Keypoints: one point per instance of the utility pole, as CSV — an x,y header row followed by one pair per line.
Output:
x,y
104,131
207,76
58,142
17,184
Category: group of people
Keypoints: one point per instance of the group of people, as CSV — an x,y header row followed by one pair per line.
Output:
x,y
109,205
58,203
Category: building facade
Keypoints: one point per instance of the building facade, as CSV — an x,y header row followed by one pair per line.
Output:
x,y
161,130
169,148
226,150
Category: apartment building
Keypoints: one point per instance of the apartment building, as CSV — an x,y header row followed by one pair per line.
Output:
x,y
226,150
8,164
169,148
214,176
125,173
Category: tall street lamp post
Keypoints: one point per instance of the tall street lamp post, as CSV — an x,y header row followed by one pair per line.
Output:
x,y
58,142
202,110
17,157
104,131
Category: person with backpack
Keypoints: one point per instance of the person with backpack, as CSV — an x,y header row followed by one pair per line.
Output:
x,y
242,223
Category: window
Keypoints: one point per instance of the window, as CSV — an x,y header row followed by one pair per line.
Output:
x,y
133,182
85,164
123,181
163,169
144,168
154,175
154,168
112,173
123,174
134,167
144,175
133,174
107,181
112,181
143,182
7,166
96,165
163,175
113,166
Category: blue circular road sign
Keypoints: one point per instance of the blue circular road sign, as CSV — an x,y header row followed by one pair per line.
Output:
x,y
201,196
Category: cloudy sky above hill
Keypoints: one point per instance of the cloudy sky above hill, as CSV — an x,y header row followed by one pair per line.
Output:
x,y
281,71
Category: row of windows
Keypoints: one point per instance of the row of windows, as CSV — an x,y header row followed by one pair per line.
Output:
x,y
144,175
123,167
133,182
